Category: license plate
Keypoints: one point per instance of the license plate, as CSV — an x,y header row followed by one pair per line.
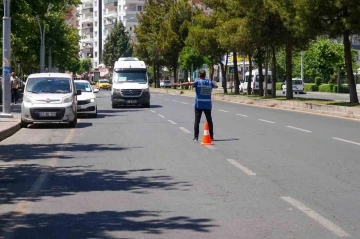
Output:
x,y
131,101
47,114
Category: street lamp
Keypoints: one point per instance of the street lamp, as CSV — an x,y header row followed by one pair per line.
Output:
x,y
6,60
42,40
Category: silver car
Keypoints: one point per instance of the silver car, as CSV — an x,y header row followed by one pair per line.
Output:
x,y
49,97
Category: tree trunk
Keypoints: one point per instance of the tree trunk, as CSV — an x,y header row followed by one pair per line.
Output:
x,y
273,73
261,79
223,72
250,76
288,49
266,71
155,80
349,71
236,74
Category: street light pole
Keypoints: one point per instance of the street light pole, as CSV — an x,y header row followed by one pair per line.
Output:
x,y
42,45
6,61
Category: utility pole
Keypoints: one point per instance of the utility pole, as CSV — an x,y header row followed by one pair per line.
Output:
x,y
42,40
6,61
192,23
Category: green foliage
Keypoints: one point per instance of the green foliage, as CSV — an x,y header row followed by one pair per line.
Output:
x,y
279,85
25,36
85,65
117,44
311,87
318,80
188,57
343,89
326,88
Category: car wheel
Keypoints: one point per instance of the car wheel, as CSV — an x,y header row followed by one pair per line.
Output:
x,y
94,115
113,106
23,124
73,123
283,92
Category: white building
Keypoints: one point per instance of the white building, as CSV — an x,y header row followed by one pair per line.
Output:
x,y
97,19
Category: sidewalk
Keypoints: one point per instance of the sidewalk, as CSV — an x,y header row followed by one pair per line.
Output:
x,y
9,126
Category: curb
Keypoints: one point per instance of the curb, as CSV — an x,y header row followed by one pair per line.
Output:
x,y
9,131
332,110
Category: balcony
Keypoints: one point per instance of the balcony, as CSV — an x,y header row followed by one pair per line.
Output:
x,y
87,50
87,17
110,14
111,2
87,38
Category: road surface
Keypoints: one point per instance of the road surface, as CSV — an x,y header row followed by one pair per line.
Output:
x,y
136,173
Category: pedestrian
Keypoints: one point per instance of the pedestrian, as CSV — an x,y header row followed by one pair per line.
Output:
x,y
203,88
14,82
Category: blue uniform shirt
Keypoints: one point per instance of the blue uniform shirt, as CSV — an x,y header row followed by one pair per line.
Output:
x,y
203,88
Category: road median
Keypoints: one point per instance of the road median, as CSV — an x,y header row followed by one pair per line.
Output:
x,y
304,106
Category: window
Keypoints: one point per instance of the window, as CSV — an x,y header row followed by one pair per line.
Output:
x,y
139,8
130,28
96,54
95,24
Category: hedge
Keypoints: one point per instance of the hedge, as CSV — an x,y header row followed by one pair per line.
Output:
x,y
278,85
343,89
326,88
311,87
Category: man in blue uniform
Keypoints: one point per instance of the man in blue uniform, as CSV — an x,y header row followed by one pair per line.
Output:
x,y
203,88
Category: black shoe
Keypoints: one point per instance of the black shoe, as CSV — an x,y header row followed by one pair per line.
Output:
x,y
196,138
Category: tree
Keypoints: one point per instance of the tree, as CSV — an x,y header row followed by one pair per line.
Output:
x,y
188,57
338,19
117,44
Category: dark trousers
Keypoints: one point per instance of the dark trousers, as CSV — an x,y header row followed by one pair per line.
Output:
x,y
14,95
198,113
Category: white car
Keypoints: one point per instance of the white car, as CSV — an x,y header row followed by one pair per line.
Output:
x,y
165,83
87,100
297,85
49,97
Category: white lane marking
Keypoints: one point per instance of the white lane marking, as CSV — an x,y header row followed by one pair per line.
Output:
x,y
304,130
161,116
242,115
152,111
346,141
184,103
185,130
175,101
224,111
315,216
267,121
241,167
171,121
210,147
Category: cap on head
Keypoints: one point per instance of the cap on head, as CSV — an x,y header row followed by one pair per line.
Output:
x,y
202,73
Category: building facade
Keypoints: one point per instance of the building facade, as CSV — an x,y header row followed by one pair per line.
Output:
x,y
96,20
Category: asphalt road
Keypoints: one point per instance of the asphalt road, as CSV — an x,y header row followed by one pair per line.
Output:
x,y
136,173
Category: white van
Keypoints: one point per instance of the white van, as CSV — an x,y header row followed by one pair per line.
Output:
x,y
297,85
130,83
255,83
49,97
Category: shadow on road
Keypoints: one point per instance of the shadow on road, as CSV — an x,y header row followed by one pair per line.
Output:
x,y
105,224
58,126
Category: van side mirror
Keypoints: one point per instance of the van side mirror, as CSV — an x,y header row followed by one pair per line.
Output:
x,y
78,92
96,90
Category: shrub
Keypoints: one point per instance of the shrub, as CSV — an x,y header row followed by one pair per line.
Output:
x,y
343,89
326,88
278,85
318,80
311,87
1,94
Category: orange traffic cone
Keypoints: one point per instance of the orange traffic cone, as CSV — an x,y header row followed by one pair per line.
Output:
x,y
206,138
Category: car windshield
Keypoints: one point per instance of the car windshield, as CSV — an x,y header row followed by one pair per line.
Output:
x,y
83,86
130,76
297,82
41,85
103,81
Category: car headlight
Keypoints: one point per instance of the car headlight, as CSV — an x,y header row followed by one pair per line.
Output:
x,y
27,99
67,99
146,90
92,100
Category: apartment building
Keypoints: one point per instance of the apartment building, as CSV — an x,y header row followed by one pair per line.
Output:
x,y
96,20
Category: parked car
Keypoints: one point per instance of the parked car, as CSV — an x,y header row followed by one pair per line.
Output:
x,y
49,97
87,100
297,85
103,84
165,83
